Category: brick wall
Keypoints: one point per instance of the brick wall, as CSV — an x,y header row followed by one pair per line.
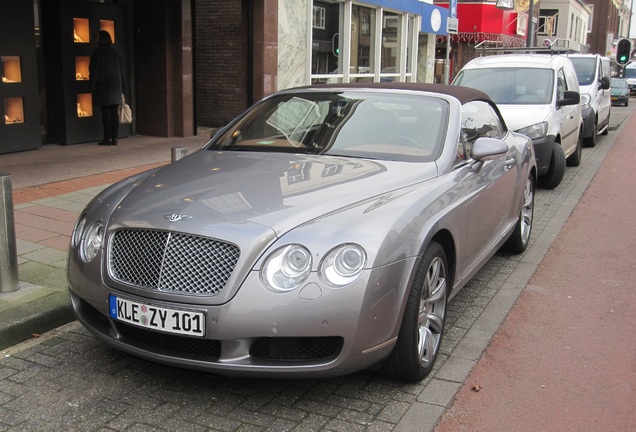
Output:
x,y
221,60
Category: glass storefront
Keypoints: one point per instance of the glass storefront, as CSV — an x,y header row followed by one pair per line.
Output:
x,y
379,46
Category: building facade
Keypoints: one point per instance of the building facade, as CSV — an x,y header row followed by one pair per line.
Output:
x,y
192,63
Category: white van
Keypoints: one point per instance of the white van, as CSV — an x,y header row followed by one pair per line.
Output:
x,y
629,73
593,73
538,96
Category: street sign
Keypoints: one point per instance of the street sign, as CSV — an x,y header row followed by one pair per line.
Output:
x,y
452,24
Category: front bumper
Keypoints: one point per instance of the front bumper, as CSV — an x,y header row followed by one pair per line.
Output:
x,y
311,332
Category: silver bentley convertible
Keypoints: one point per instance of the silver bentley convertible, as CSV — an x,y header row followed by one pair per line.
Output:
x,y
320,233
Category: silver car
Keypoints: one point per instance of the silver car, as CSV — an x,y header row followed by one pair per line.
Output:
x,y
320,233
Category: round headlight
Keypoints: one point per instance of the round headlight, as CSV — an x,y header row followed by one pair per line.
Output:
x,y
286,268
343,265
91,241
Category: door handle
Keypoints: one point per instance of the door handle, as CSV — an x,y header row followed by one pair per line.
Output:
x,y
509,163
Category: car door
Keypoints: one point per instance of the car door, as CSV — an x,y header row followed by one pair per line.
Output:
x,y
489,187
569,116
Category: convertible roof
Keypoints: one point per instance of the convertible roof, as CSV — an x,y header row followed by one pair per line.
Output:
x,y
463,94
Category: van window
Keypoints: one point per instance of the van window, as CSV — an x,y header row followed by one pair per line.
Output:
x,y
586,69
629,72
512,86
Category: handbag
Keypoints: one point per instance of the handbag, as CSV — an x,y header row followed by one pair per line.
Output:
x,y
124,111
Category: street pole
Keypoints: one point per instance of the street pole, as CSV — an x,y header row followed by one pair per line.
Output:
x,y
447,62
530,31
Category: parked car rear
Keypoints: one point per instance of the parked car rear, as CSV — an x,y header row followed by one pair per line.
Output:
x,y
620,91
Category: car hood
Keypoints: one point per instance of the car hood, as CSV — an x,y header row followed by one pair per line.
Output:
x,y
521,116
274,190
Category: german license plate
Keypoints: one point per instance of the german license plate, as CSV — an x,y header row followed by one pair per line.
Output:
x,y
179,321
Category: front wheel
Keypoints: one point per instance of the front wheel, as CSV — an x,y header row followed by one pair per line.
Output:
x,y
422,326
556,169
520,237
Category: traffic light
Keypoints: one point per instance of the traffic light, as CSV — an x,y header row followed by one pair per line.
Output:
x,y
623,51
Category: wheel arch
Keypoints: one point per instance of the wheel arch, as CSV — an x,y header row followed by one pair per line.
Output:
x,y
446,240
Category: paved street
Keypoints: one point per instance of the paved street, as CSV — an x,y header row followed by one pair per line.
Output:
x,y
67,380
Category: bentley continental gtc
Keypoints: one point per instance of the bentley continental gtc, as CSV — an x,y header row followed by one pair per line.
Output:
x,y
320,233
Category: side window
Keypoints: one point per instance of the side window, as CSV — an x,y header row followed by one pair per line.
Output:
x,y
562,84
479,119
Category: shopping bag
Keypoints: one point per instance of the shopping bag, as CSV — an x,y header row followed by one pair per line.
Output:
x,y
125,113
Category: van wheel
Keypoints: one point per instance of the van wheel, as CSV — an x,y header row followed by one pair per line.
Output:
x,y
575,158
556,171
591,140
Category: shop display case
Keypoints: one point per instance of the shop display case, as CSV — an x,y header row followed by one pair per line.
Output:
x,y
19,90
13,110
81,30
84,105
81,67
109,26
11,69
77,119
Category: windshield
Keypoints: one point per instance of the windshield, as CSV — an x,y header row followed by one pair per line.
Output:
x,y
357,124
619,83
585,69
629,73
511,86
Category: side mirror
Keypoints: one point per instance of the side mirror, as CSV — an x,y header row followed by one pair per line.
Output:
x,y
570,98
605,83
486,149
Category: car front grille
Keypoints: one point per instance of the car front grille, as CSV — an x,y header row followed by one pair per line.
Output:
x,y
171,262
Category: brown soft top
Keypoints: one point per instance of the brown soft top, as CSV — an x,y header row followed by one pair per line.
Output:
x,y
463,94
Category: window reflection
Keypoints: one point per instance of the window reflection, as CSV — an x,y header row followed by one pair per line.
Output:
x,y
362,38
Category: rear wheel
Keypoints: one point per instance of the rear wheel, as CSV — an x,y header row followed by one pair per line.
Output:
x,y
518,241
556,171
422,326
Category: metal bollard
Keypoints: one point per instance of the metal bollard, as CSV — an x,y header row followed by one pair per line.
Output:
x,y
178,153
8,253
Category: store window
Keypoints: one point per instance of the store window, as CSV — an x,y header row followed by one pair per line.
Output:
x,y
362,43
319,17
379,45
326,41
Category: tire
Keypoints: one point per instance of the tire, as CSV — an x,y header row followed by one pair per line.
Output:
x,y
422,326
575,158
626,102
520,237
591,140
556,171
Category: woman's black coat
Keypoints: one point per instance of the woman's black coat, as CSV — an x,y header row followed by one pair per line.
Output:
x,y
106,76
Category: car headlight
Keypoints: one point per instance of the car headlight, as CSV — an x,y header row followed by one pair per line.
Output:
x,y
286,268
342,265
535,131
91,241
78,231
585,100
